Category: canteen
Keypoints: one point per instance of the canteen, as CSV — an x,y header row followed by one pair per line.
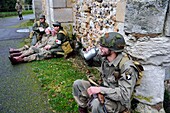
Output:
x,y
91,53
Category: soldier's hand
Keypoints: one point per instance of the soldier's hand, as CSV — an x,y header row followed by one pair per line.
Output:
x,y
47,47
93,90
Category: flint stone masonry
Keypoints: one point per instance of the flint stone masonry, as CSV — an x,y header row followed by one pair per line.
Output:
x,y
146,16
92,19
167,25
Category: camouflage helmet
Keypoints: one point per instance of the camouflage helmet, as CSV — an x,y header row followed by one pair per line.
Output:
x,y
42,16
114,41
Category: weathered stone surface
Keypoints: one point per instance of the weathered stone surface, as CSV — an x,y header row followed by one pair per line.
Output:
x,y
37,6
57,3
151,89
154,51
167,25
167,73
69,3
62,15
144,108
146,16
120,11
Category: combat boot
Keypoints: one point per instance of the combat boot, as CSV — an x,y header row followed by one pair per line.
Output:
x,y
82,110
16,60
11,50
15,54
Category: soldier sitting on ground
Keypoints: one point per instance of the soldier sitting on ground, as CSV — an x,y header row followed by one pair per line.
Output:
x,y
16,52
47,50
118,79
38,30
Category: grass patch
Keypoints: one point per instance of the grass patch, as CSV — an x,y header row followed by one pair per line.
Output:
x,y
8,14
56,77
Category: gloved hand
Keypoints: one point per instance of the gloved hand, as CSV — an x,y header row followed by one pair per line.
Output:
x,y
93,90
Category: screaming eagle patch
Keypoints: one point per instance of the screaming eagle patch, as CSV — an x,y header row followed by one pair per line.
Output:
x,y
128,75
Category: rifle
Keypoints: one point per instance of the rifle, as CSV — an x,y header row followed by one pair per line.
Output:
x,y
99,95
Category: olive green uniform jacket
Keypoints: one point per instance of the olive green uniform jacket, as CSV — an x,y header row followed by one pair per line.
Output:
x,y
117,86
40,53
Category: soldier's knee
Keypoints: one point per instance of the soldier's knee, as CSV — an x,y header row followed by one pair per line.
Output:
x,y
77,83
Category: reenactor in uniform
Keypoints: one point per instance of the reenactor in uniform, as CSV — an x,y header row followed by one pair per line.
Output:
x,y
38,29
18,7
118,79
16,52
43,51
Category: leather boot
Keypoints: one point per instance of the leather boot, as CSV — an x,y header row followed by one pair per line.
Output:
x,y
82,110
16,60
11,50
15,54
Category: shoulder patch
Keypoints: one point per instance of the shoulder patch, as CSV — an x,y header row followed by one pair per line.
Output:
x,y
128,74
128,77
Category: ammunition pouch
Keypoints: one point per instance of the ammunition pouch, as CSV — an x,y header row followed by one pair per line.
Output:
x,y
66,47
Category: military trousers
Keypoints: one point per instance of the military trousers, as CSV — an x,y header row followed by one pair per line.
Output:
x,y
36,54
83,100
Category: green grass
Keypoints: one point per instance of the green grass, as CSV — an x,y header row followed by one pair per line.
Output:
x,y
8,14
56,77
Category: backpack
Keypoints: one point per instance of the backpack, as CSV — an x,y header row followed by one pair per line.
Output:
x,y
66,46
137,65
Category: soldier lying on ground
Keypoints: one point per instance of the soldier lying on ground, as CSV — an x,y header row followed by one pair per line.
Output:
x,y
38,30
45,50
118,79
16,52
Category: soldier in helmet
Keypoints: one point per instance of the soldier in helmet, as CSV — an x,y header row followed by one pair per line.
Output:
x,y
38,29
118,79
45,50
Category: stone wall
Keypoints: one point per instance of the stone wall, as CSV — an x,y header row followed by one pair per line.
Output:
x,y
55,10
92,19
59,10
145,26
37,6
